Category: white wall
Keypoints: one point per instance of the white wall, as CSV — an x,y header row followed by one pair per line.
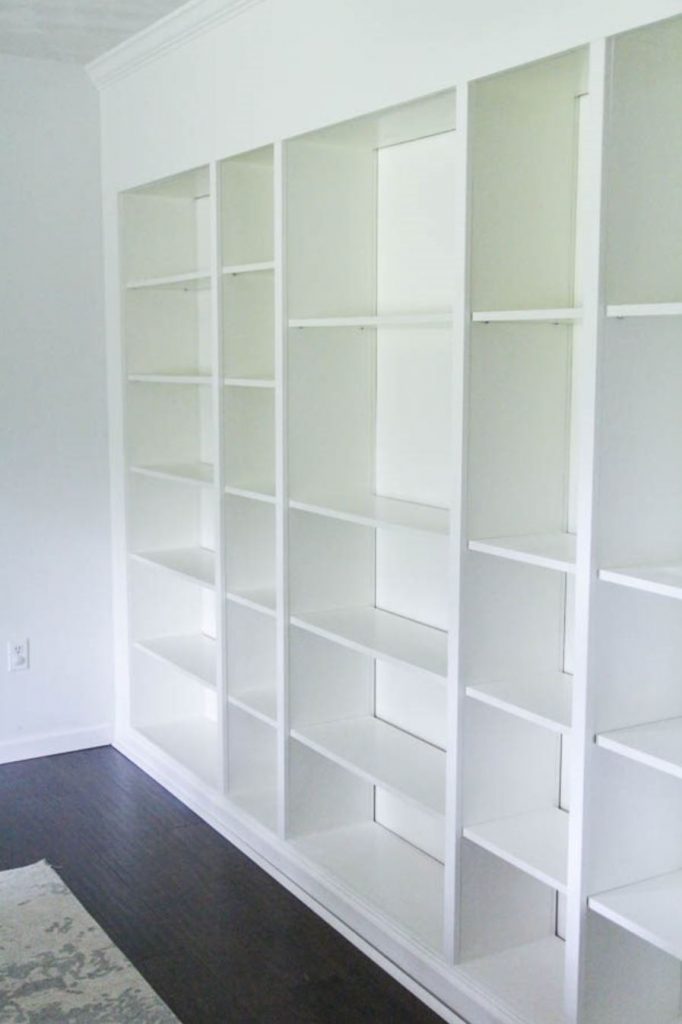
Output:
x,y
55,575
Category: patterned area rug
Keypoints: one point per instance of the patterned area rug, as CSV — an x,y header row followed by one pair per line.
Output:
x,y
57,966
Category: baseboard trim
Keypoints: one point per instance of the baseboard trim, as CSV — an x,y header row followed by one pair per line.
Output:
x,y
45,744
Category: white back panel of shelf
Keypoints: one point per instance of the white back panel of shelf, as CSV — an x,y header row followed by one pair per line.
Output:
x,y
641,464
644,258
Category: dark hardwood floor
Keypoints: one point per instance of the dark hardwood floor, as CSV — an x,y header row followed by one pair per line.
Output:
x,y
219,940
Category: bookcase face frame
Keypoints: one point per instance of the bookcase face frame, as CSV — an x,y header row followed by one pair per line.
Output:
x,y
402,461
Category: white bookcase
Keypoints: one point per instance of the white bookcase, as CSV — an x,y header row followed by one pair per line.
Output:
x,y
403,404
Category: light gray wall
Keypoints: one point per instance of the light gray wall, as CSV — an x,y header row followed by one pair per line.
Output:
x,y
54,498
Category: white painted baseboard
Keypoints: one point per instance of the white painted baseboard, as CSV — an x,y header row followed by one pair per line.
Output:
x,y
44,744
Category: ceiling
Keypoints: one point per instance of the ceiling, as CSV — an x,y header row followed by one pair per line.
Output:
x,y
74,30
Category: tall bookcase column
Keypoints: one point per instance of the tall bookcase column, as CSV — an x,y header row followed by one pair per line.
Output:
x,y
252,497
172,419
632,936
281,489
461,321
516,601
370,242
215,221
588,357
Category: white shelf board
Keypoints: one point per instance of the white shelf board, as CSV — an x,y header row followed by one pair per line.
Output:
x,y
261,702
665,580
535,842
544,699
196,564
194,654
194,279
200,473
260,804
645,309
381,634
193,742
261,599
655,744
256,492
382,754
547,550
527,979
554,316
170,378
386,872
249,382
651,909
249,268
442,319
376,511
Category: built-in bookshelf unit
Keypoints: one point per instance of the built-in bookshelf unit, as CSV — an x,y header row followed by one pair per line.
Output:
x,y
403,478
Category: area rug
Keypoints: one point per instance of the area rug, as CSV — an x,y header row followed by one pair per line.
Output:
x,y
57,966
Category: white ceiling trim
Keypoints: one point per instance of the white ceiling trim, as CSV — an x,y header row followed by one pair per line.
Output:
x,y
163,35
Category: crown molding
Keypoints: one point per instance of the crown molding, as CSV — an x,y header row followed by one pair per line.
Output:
x,y
162,36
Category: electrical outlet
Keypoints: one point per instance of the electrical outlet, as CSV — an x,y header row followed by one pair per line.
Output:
x,y
17,655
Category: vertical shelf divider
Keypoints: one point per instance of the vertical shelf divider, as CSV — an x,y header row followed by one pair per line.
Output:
x,y
458,529
219,470
281,490
589,372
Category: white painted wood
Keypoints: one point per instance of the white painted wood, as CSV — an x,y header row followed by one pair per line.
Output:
x,y
651,909
656,744
248,325
411,575
194,654
384,755
584,492
380,634
627,979
252,750
261,599
251,661
258,494
196,564
458,525
250,438
385,871
544,699
548,551
260,703
642,214
412,822
249,268
502,908
528,978
376,511
336,465
412,700
193,473
555,316
387,320
192,742
194,279
168,378
523,208
665,580
645,309
536,843
518,465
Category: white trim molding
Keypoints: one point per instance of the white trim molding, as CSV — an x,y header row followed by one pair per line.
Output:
x,y
45,744
163,35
